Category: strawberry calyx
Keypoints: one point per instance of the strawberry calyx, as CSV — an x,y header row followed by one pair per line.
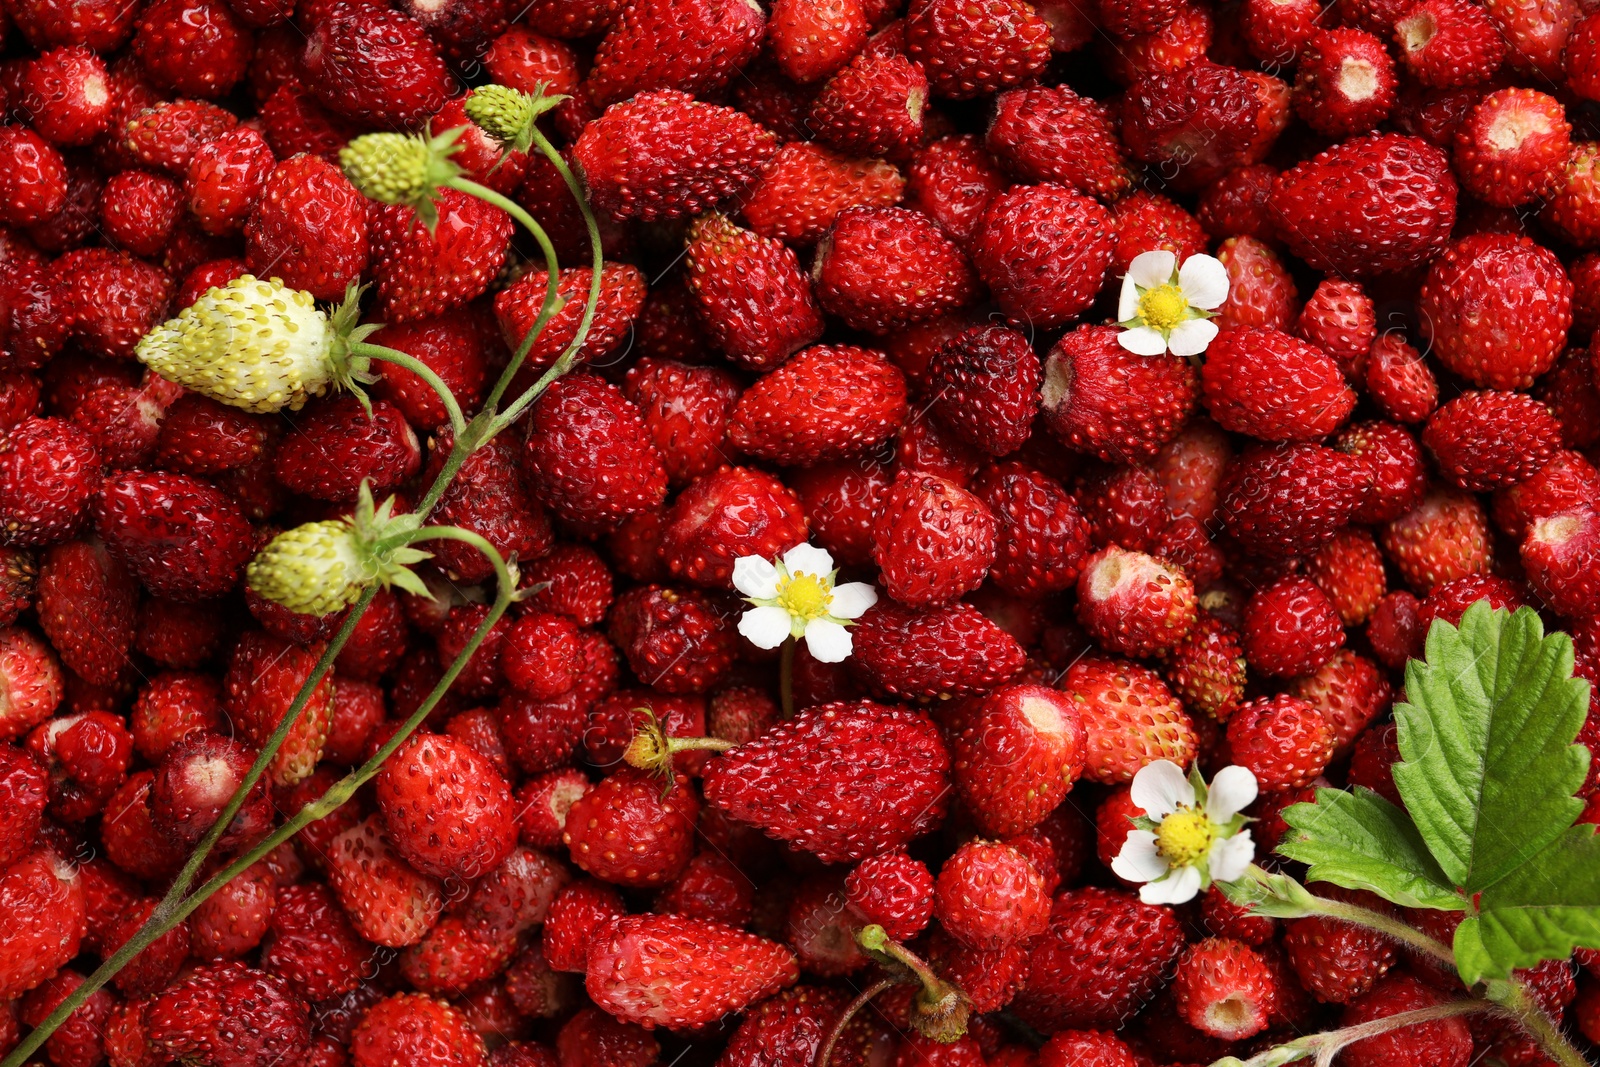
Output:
x,y
405,169
652,750
940,1010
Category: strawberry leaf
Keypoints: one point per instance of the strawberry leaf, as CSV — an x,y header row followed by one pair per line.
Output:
x,y
1361,841
1540,911
1488,767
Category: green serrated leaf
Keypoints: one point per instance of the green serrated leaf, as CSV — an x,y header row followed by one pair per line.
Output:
x,y
1541,911
1361,841
1488,767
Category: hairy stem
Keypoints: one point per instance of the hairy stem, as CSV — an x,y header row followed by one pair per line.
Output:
x,y
1515,998
1384,924
1325,1046
863,998
421,370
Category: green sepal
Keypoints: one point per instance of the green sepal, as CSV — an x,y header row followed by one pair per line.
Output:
x,y
1274,895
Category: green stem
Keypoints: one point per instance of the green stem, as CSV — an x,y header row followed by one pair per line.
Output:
x,y
1515,998
1384,924
1326,1045
786,677
421,370
863,998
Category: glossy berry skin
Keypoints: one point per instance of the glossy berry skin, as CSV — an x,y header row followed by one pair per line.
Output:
x,y
1345,82
1054,135
1270,385
1133,604
227,1014
825,402
309,229
989,895
412,1028
448,811
729,513
1043,251
1100,398
624,831
1282,740
1290,628
883,268
1225,989
1041,534
1439,1042
756,302
943,652
974,49
1292,499
1130,719
885,770
695,46
420,274
588,454
1017,756
179,536
376,67
1491,440
686,409
985,387
47,471
195,780
932,539
894,891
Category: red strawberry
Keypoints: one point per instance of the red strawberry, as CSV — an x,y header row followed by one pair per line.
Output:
x,y
1100,398
1349,692
1497,309
86,608
894,891
1449,43
985,387
453,346
66,94
932,540
1130,719
589,455
730,272
1491,440
1513,148
945,652
1225,989
1273,386
1196,120
1400,380
1103,954
989,896
193,47
1369,205
1349,569
1147,221
873,107
264,675
1444,537
296,124
1290,628
1282,740
338,447
195,1018
674,640
487,497
694,46
1190,469
630,831
1567,483
824,403
1340,319
972,50
622,296
806,186
1016,757
1292,499
1043,251
388,901
1443,1042
226,178
1126,508
1559,556
662,970
882,268
78,1040
455,956
180,537
1207,668
1054,135
731,512
419,274
312,944
664,154
376,66
888,765
579,910
952,181
49,469
686,409
1133,604
1041,535
415,1029
309,228
1573,210
1260,290
448,811
138,210
1345,82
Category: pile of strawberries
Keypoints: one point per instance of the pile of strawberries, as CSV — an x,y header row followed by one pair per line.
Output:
x,y
863,260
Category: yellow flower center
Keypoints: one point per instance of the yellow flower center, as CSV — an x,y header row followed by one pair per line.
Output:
x,y
1163,307
1185,836
805,596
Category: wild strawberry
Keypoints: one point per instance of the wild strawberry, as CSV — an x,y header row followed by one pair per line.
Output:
x,y
487,497
138,210
180,537
932,540
195,779
453,346
925,446
1282,740
66,95
1449,43
312,944
686,409
710,888
718,153
1088,1048
1444,537
806,186
944,652
464,837
1290,628
130,837
1054,135
972,51
1400,380
101,26
1345,82
263,678
1260,290
376,67
989,895
1340,210
888,762
1513,147
731,512
1443,1042
1339,319
894,891
649,953
1568,391
24,785
820,931
1042,538
1273,386
1043,251
309,228
193,47
295,124
1567,483
579,910
1133,604
1103,955
1224,989
881,268
952,180
87,610
1487,286
387,900
693,46
1207,668
728,266
158,963
420,274
1292,499
35,183
416,1029
194,1018
48,472
1395,630
589,455
1573,209
985,387
1349,569
1017,756
674,640
1559,554
340,446
77,1042
1129,717
580,585
622,295
1189,468
873,107
1491,440
811,39
226,178
826,402
1197,120
1126,508
1349,691
1147,221
1237,202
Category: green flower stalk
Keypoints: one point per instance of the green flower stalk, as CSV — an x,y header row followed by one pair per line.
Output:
x,y
399,168
258,345
323,567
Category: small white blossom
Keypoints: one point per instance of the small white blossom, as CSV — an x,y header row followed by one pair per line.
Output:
x,y
796,597
1190,836
1164,308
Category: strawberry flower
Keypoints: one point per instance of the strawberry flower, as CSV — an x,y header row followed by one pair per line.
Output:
x,y
1164,308
796,597
1190,836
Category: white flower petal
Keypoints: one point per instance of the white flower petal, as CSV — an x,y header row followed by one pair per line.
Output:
x,y
808,559
1128,301
1150,269
765,627
1231,856
827,641
851,600
1143,341
1232,790
1139,860
755,577
1204,281
1161,788
1191,337
1179,887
